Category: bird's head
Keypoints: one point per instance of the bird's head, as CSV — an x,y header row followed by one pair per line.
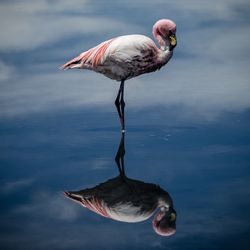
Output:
x,y
164,221
164,31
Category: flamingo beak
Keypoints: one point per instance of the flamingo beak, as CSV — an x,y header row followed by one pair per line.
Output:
x,y
172,40
172,217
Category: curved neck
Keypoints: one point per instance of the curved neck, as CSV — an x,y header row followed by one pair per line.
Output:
x,y
165,200
164,43
164,55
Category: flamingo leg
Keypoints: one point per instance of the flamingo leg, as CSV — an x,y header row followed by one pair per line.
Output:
x,y
120,105
119,158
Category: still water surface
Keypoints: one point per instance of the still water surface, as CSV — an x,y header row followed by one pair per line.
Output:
x,y
203,166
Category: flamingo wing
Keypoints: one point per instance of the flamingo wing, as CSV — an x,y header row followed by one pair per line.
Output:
x,y
91,202
126,49
129,56
96,205
91,57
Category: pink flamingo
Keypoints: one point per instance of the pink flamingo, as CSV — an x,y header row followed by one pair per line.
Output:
x,y
128,200
125,57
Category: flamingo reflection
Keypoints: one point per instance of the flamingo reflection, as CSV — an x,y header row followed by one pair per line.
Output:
x,y
128,200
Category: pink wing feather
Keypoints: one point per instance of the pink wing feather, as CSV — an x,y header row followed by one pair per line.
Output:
x,y
96,206
92,203
91,57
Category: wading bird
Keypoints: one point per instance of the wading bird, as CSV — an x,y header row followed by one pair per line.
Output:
x,y
128,200
128,56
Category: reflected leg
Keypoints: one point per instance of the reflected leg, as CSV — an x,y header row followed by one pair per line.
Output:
x,y
119,158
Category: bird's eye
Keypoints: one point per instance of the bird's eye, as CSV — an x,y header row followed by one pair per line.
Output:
x,y
164,209
170,33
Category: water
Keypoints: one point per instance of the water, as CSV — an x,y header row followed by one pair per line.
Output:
x,y
204,167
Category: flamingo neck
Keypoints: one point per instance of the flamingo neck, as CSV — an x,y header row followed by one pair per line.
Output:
x,y
164,55
164,43
164,46
165,202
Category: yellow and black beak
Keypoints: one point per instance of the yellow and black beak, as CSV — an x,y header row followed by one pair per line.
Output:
x,y
172,41
172,217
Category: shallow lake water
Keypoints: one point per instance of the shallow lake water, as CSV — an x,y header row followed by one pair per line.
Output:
x,y
203,166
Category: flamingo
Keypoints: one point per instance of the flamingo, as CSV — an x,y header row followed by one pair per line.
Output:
x,y
128,200
128,56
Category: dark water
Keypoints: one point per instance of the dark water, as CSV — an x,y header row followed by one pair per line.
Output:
x,y
203,166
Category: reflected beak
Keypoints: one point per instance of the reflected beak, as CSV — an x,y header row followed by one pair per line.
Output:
x,y
172,217
171,214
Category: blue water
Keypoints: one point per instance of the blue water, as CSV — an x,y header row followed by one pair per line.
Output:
x,y
203,165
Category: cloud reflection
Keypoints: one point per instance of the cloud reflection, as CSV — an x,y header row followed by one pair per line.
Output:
x,y
12,186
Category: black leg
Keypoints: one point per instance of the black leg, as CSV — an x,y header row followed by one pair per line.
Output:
x,y
120,105
119,158
117,102
123,108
